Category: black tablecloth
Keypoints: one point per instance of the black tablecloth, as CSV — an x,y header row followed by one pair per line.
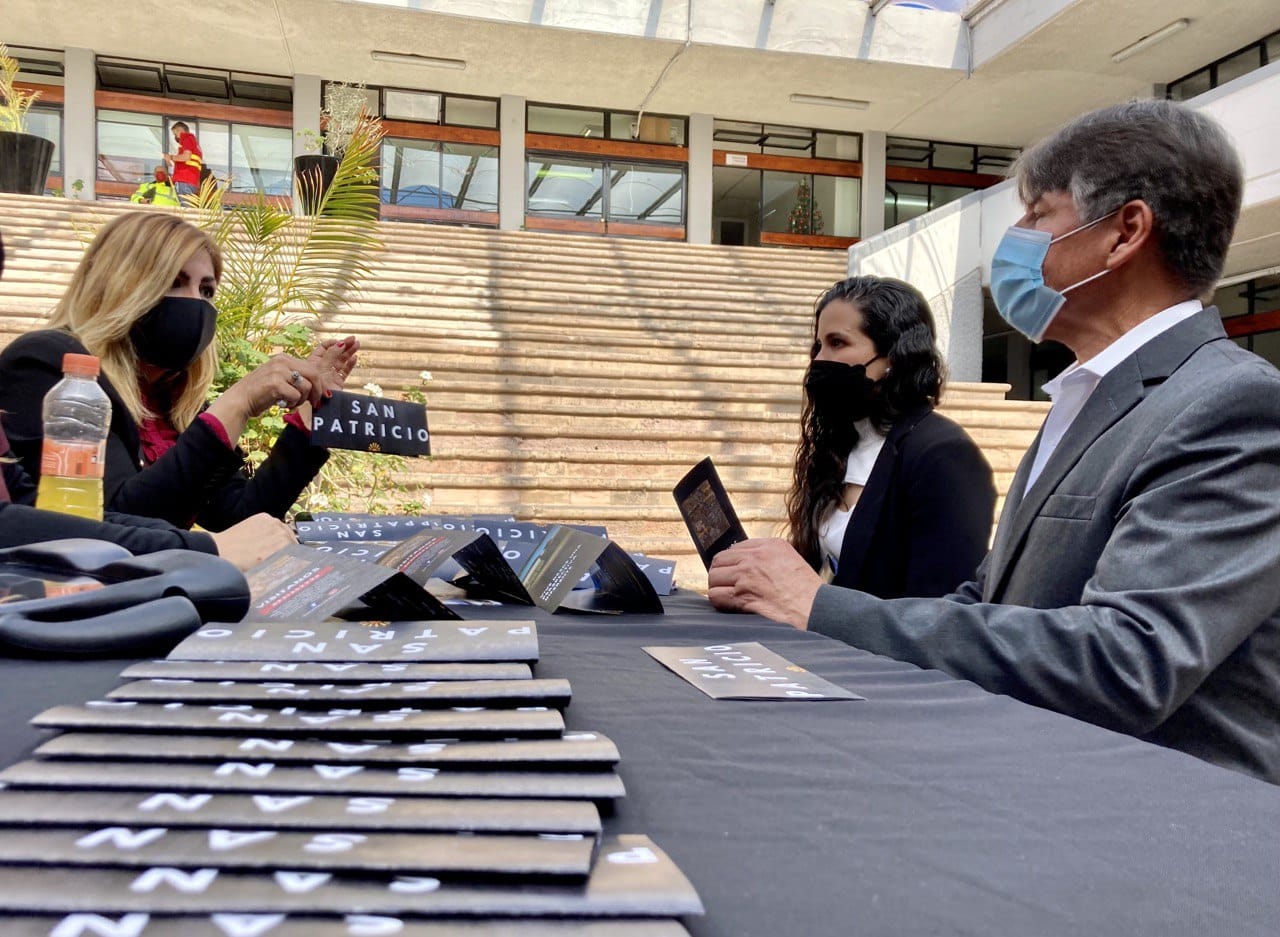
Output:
x,y
931,808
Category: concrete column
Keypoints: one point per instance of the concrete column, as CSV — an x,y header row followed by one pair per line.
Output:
x,y
873,145
699,194
1018,368
79,122
511,163
962,324
307,101
308,98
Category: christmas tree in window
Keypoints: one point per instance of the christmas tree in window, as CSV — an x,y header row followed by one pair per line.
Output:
x,y
804,217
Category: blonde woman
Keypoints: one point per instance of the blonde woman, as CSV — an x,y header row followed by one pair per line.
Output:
x,y
142,301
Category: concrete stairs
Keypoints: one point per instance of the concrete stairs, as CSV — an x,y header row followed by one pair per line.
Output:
x,y
572,379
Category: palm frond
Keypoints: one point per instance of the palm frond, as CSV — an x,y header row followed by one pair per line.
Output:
x,y
276,263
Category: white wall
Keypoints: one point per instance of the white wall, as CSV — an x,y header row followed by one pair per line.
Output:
x,y
941,255
1247,107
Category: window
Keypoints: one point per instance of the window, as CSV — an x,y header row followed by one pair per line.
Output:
x,y
777,140
605,190
840,200
256,159
410,105
662,129
565,188
1240,64
433,174
471,112
805,204
837,146
786,203
645,192
565,121
906,200
1191,87
129,145
434,107
959,157
187,82
1228,68
261,157
47,122
1251,315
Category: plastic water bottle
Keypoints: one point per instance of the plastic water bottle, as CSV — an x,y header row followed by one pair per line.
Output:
x,y
77,417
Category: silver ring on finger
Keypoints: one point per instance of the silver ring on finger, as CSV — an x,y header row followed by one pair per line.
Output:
x,y
282,404
295,378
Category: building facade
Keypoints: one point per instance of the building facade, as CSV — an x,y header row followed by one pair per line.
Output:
x,y
880,127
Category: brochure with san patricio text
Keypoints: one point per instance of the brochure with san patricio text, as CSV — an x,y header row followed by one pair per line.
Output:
x,y
371,424
569,567
301,585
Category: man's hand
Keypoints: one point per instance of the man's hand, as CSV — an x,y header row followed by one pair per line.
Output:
x,y
766,577
252,540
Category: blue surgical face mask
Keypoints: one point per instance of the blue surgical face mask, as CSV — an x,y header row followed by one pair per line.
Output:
x,y
1017,279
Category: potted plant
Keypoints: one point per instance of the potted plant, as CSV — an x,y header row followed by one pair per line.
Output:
x,y
24,157
281,274
340,118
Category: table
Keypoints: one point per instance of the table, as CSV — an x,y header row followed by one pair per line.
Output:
x,y
933,807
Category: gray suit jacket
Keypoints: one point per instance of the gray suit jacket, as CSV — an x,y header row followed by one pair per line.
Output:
x,y
1136,585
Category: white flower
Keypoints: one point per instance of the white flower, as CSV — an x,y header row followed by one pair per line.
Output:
x,y
373,389
425,376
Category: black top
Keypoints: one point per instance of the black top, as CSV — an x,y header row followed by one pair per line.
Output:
x,y
198,480
21,524
923,520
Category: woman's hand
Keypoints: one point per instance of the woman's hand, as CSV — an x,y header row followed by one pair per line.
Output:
x,y
251,541
281,381
335,359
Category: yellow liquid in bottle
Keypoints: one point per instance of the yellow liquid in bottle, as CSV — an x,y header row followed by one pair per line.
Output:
x,y
79,496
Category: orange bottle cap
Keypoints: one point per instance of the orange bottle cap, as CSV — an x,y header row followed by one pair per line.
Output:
x,y
81,365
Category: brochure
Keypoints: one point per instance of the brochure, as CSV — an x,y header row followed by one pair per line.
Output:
x,y
371,424
704,504
298,584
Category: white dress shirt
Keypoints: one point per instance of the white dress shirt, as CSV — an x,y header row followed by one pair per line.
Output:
x,y
862,459
1070,389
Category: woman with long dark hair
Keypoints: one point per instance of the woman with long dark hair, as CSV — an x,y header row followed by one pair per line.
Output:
x,y
888,496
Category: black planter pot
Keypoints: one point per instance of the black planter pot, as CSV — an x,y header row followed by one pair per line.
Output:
x,y
313,174
24,162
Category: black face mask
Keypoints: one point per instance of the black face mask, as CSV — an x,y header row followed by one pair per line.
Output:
x,y
174,333
841,393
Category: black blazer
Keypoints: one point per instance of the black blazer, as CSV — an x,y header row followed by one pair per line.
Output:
x,y
199,480
923,520
22,524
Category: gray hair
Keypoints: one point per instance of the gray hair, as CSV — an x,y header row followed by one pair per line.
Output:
x,y
1178,161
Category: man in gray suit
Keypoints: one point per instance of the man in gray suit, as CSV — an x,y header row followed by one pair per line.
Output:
x,y
1134,580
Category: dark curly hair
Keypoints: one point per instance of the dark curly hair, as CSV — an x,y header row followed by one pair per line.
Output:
x,y
897,319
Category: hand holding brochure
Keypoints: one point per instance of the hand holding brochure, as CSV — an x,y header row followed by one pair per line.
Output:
x,y
704,504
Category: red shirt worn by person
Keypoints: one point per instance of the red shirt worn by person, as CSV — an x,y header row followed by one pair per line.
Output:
x,y
188,171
